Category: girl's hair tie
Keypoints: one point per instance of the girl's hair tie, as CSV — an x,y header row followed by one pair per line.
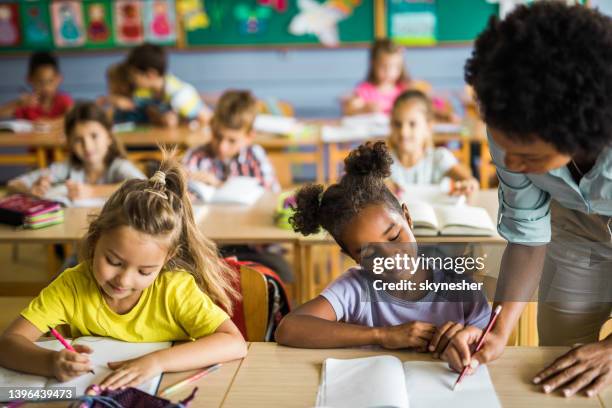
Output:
x,y
158,178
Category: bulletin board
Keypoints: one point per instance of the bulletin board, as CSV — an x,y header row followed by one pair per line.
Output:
x,y
89,24
245,23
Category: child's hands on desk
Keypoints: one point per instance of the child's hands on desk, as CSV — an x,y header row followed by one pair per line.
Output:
x,y
78,191
205,177
68,364
41,186
415,335
131,373
465,187
442,337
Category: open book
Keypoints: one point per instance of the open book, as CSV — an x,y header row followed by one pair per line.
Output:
x,y
23,126
105,350
431,220
236,190
384,381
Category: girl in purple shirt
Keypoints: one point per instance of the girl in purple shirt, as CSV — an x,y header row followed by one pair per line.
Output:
x,y
353,310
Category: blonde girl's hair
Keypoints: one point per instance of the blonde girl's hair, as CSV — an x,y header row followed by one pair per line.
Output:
x,y
160,207
87,111
385,46
414,95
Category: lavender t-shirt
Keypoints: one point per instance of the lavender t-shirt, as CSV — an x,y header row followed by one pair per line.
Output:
x,y
355,301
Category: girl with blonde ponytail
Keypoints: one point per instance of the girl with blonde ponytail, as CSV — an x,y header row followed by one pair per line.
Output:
x,y
147,274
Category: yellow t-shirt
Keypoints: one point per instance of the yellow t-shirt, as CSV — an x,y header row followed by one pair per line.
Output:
x,y
173,308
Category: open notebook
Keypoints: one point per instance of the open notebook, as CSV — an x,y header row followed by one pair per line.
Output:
x,y
59,193
431,220
105,350
384,381
236,190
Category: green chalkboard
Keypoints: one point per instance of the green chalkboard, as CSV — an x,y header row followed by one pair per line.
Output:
x,y
256,23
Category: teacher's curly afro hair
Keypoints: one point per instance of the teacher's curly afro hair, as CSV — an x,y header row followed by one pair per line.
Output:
x,y
545,71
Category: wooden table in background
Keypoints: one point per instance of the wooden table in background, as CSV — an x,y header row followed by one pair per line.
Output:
x,y
277,376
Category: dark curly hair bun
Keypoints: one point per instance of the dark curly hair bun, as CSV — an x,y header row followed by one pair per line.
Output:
x,y
306,218
369,160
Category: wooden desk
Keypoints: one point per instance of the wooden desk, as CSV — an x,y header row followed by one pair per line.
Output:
x,y
212,388
276,376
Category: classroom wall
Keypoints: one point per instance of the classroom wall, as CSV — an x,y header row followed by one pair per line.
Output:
x,y
311,79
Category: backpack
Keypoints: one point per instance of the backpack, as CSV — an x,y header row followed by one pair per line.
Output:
x,y
278,301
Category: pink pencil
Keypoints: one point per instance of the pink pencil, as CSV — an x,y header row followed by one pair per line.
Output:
x,y
62,340
480,342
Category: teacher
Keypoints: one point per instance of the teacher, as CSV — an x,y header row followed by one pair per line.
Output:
x,y
543,83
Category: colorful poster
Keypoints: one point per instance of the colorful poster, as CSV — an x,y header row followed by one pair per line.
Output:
x,y
67,21
98,23
193,15
35,22
160,21
322,19
9,25
128,22
412,22
252,21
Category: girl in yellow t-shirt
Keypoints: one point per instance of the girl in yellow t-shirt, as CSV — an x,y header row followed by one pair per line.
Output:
x,y
147,275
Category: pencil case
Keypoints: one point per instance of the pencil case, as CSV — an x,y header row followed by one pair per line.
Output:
x,y
18,208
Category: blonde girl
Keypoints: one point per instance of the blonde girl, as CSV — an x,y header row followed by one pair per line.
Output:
x,y
415,159
147,275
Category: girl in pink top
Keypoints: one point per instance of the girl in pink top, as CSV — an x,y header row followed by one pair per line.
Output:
x,y
387,78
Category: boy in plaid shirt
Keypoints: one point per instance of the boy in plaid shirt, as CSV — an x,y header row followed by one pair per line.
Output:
x,y
232,151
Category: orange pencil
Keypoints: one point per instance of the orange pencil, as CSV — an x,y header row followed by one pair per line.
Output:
x,y
191,379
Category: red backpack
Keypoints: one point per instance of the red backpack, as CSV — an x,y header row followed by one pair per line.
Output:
x,y
278,301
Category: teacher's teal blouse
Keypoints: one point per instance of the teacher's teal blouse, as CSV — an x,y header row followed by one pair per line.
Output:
x,y
524,199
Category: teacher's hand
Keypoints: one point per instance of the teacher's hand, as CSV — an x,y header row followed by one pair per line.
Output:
x,y
458,352
585,368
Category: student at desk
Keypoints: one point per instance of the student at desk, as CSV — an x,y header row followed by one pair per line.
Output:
x,y
415,159
351,311
97,163
45,101
167,99
232,153
147,275
543,83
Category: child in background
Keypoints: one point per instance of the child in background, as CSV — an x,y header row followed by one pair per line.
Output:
x,y
232,151
357,211
45,101
387,78
415,159
119,98
168,99
97,163
147,275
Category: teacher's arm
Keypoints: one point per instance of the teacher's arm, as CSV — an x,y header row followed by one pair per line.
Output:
x,y
524,221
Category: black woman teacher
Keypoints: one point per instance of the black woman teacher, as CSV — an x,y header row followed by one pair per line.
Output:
x,y
543,83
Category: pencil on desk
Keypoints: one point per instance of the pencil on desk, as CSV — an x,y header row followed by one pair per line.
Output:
x,y
480,342
189,380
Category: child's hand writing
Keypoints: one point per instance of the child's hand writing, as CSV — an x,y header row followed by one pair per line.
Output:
x,y
442,337
415,335
205,177
68,364
131,373
41,186
78,191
